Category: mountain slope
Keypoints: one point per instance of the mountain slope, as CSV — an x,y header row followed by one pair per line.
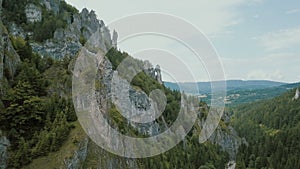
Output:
x,y
38,122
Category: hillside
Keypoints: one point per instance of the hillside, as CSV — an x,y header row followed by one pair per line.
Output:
x,y
40,43
271,128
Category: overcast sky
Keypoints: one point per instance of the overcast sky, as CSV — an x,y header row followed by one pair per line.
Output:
x,y
255,39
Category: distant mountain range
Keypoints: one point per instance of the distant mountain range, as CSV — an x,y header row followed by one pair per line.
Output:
x,y
205,87
238,91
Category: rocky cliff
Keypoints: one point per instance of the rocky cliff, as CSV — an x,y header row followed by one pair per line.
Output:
x,y
52,5
297,95
33,13
68,41
79,155
227,137
9,58
4,144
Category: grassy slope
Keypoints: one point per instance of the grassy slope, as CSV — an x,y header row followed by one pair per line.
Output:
x,y
55,159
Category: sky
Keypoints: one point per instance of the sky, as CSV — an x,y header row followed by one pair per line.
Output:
x,y
254,39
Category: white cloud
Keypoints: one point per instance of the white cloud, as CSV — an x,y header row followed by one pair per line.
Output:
x,y
275,66
282,39
292,11
262,74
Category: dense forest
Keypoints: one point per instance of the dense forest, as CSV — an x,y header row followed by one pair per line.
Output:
x,y
35,115
272,129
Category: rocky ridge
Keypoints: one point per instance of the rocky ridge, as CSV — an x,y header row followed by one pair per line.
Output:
x,y
137,98
68,41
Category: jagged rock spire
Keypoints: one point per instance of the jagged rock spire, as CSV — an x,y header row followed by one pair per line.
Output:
x,y
158,74
114,39
1,10
297,95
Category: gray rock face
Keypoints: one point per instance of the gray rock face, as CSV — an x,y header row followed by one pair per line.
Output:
x,y
4,144
15,30
297,95
227,138
155,73
67,41
1,54
58,49
135,104
9,58
33,13
52,5
1,7
138,99
115,39
79,155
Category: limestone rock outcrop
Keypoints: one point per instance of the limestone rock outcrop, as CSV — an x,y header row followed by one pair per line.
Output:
x,y
1,7
9,58
227,138
79,156
52,5
297,95
33,13
4,144
155,73
68,41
